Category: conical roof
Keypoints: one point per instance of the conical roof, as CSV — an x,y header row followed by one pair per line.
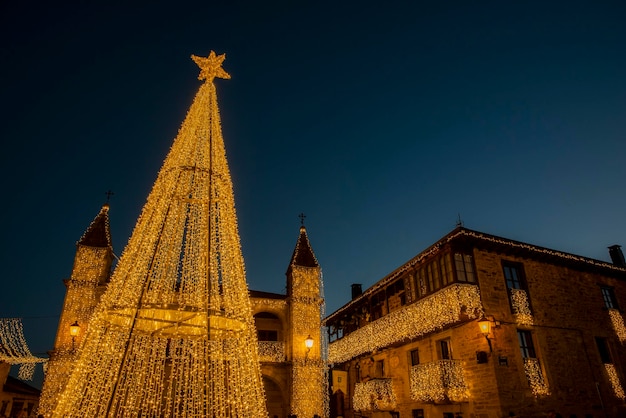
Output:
x,y
303,255
174,333
98,233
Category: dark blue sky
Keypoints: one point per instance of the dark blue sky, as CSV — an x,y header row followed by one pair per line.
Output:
x,y
382,121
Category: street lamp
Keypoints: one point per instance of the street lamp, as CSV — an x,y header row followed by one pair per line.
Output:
x,y
485,328
74,331
309,344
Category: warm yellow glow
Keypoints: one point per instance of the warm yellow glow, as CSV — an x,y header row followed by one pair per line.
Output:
x,y
173,335
14,350
272,351
308,342
614,379
537,382
437,381
74,329
424,316
485,327
521,307
375,394
310,384
618,324
89,275
309,372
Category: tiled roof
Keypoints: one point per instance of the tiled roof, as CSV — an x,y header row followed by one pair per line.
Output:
x,y
98,233
303,255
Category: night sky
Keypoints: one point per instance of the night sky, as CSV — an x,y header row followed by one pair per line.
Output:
x,y
382,121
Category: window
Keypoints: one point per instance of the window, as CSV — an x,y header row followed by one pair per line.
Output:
x,y
608,294
414,357
379,368
422,279
267,335
377,304
464,268
445,353
603,350
417,413
446,269
514,275
526,344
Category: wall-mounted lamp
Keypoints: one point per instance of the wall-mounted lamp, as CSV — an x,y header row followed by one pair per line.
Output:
x,y
309,344
485,328
74,331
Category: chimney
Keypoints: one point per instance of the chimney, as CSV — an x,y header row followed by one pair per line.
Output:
x,y
615,251
358,291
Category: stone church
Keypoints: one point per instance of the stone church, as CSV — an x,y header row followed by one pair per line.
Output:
x,y
288,325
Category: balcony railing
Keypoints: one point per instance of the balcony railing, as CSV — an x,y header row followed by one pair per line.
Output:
x,y
426,315
373,395
521,307
438,381
618,324
272,351
534,375
613,377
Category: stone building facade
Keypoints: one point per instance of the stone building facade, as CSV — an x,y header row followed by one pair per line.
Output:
x,y
16,397
479,326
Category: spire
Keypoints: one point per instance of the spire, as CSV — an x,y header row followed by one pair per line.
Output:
x,y
303,255
174,333
98,233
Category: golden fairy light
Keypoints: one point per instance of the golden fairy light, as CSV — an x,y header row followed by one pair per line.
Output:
x,y
534,375
618,324
273,351
521,307
618,390
14,350
90,273
374,394
437,381
173,334
412,321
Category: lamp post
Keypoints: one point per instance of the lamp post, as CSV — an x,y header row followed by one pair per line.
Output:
x,y
74,331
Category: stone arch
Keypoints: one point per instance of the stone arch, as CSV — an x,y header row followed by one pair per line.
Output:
x,y
277,404
269,326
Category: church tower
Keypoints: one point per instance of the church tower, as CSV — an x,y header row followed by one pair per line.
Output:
x,y
304,292
88,280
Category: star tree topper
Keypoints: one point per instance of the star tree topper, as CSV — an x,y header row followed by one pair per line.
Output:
x,y
211,66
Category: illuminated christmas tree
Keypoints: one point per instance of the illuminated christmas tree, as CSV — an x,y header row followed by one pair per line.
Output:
x,y
174,336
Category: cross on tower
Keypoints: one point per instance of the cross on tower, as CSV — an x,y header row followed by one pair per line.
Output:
x,y
302,216
109,193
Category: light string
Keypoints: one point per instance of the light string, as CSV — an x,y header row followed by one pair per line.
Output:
x,y
611,372
534,375
14,350
272,351
173,335
309,371
618,324
437,381
521,307
426,315
373,395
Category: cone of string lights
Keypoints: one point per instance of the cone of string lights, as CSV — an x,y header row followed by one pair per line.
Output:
x,y
173,335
